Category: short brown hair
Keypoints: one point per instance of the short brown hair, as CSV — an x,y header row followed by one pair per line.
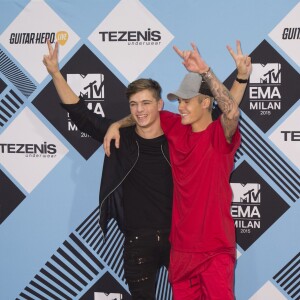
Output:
x,y
144,84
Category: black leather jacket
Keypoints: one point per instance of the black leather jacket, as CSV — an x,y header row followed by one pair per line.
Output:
x,y
116,167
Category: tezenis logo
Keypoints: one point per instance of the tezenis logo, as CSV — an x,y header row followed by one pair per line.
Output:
x,y
291,136
264,89
30,150
147,37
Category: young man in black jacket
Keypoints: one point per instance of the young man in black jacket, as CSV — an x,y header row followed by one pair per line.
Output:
x,y
136,187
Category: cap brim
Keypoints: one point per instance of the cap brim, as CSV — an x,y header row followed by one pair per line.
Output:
x,y
179,94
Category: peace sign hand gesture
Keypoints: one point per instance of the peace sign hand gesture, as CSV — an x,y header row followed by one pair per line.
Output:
x,y
243,62
51,60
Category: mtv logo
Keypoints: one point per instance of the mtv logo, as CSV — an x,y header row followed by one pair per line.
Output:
x,y
104,296
266,74
246,193
89,86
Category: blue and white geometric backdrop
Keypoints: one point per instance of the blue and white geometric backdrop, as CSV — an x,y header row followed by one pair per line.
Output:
x,y
50,172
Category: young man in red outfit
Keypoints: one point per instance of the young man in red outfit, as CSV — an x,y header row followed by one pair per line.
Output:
x,y
202,157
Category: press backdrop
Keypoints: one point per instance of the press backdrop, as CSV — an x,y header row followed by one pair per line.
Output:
x,y
51,247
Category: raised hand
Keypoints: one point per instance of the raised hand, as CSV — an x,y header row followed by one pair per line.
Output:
x,y
192,59
242,61
51,60
66,95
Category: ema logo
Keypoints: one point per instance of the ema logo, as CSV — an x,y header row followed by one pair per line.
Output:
x,y
287,34
273,87
27,144
28,45
255,205
245,208
102,91
111,296
264,89
130,37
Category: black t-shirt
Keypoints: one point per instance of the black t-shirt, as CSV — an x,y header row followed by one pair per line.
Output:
x,y
148,188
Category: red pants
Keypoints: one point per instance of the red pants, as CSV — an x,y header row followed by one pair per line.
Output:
x,y
213,282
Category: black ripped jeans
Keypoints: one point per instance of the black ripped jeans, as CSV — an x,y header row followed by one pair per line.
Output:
x,y
145,252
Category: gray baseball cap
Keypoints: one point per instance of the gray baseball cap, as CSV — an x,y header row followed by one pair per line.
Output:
x,y
191,86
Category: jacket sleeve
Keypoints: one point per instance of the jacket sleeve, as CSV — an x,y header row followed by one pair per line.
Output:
x,y
87,121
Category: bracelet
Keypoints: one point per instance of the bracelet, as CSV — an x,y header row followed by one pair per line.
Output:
x,y
241,80
207,74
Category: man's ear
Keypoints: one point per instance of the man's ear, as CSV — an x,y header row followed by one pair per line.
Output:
x,y
206,102
160,104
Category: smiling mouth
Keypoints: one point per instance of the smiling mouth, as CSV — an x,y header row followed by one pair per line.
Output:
x,y
141,117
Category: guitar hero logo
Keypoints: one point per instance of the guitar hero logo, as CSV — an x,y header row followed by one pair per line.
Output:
x,y
291,33
38,37
31,37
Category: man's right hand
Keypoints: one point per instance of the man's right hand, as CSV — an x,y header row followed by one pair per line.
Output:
x,y
66,95
113,133
51,60
192,60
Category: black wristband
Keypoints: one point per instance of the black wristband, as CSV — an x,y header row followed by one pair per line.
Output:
x,y
241,80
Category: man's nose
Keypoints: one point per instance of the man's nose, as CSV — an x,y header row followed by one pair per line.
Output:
x,y
181,105
140,107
